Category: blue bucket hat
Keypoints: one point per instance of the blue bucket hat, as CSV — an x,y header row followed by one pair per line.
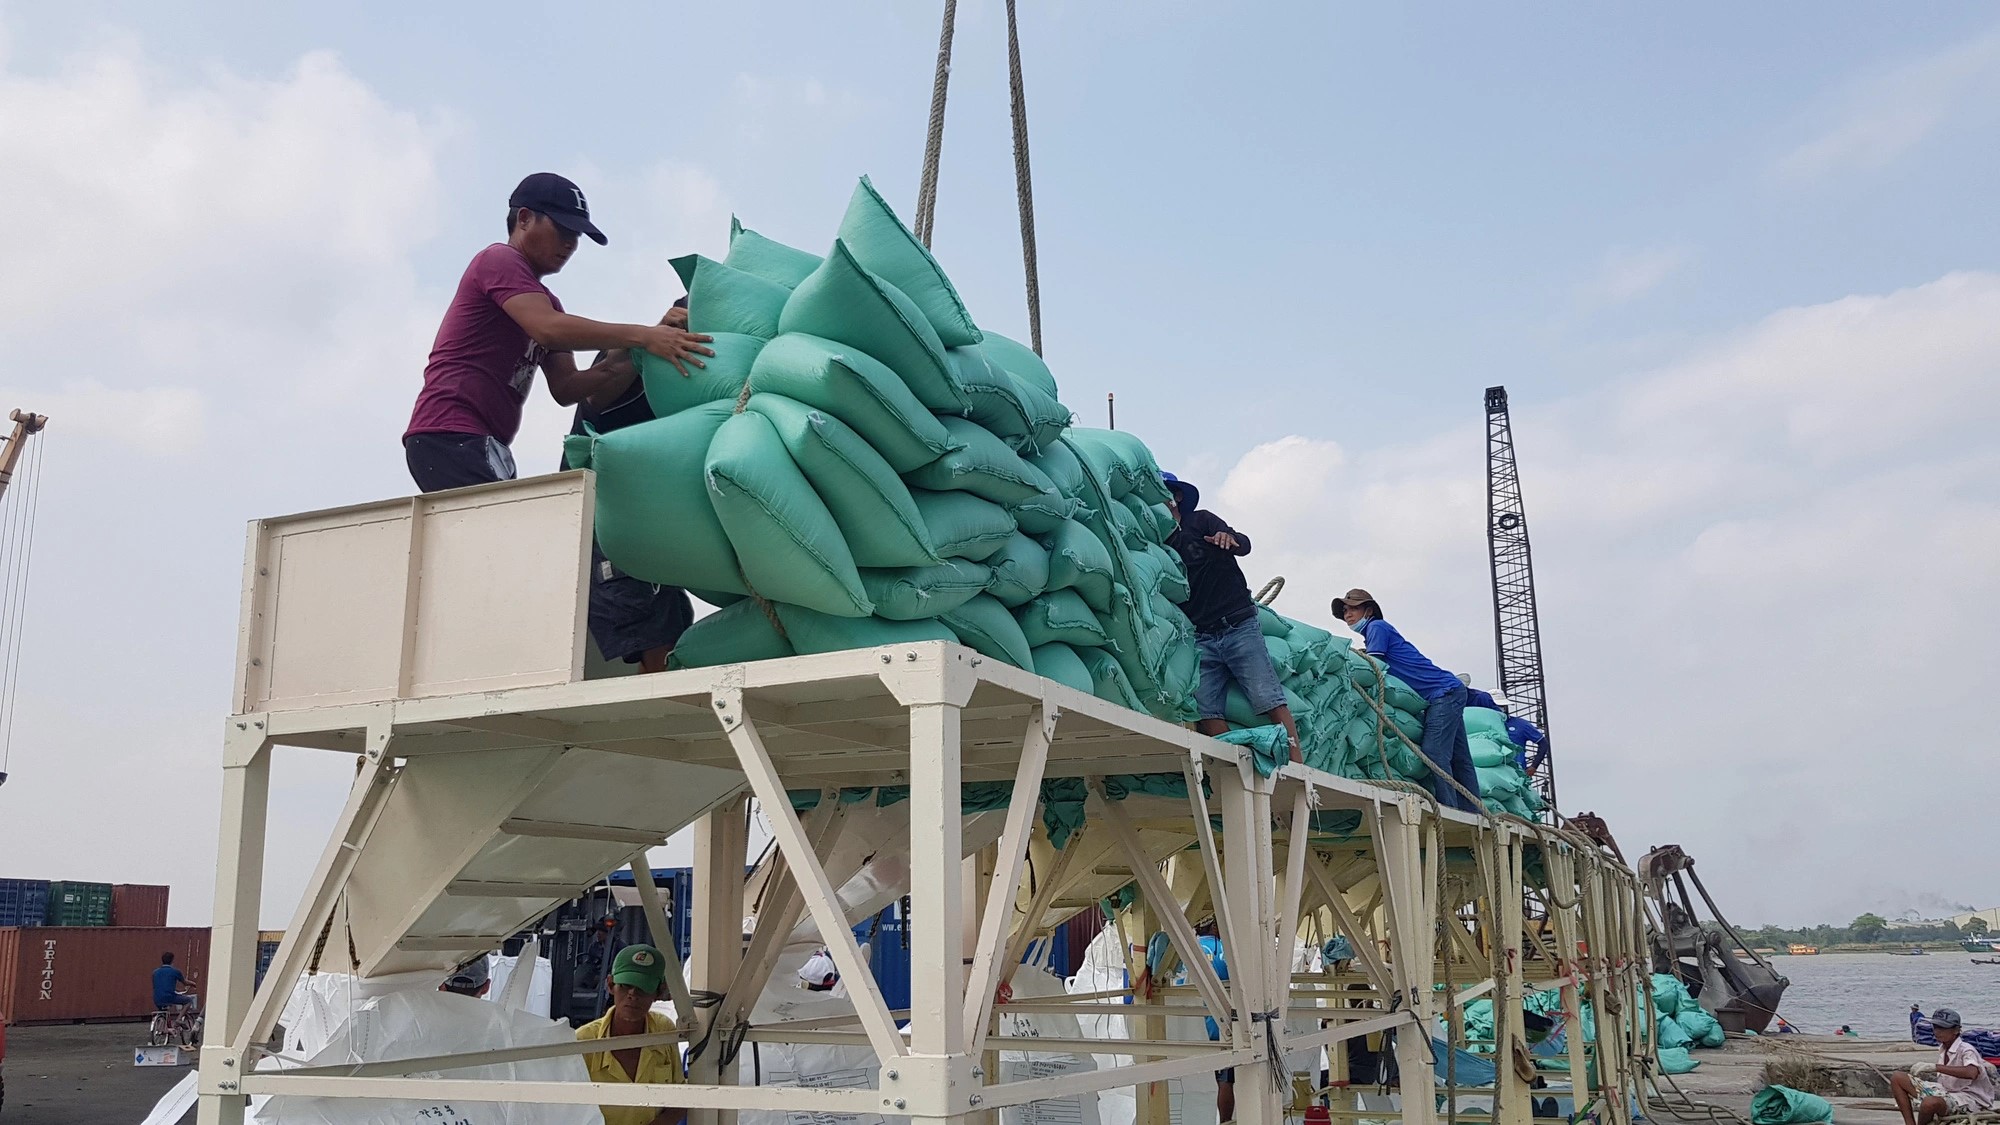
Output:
x,y
1186,496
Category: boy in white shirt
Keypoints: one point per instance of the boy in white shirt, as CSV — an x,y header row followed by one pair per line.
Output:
x,y
1959,1083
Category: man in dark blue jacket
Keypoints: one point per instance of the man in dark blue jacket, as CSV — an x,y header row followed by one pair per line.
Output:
x,y
1444,742
1225,618
631,620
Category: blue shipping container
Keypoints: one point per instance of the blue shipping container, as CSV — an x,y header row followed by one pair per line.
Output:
x,y
267,951
24,902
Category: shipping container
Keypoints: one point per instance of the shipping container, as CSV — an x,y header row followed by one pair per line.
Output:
x,y
24,902
138,904
267,952
78,904
70,974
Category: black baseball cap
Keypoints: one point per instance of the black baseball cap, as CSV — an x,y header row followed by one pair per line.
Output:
x,y
560,199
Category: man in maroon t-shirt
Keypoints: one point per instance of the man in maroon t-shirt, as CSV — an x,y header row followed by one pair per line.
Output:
x,y
503,323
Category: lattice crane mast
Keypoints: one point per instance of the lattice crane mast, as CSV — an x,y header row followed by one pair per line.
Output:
x,y
1517,632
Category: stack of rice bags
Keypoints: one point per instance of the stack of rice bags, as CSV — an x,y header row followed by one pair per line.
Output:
x,y
1332,687
1503,782
1683,1023
859,464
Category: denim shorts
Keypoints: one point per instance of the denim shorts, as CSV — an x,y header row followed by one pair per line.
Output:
x,y
1237,653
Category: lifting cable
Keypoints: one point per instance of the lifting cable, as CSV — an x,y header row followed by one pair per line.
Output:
x,y
17,524
934,137
1024,189
1024,182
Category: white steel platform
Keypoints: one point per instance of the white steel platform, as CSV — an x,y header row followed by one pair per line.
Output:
x,y
439,641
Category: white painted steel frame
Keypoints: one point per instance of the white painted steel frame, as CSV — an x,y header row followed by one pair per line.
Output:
x,y
935,683
927,716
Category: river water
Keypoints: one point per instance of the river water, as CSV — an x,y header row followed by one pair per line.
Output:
x,y
1873,992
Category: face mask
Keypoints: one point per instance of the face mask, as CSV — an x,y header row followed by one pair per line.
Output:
x,y
1360,626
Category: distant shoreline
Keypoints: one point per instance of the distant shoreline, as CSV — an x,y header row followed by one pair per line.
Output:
x,y
1926,946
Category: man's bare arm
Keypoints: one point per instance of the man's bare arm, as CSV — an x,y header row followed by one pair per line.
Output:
x,y
561,331
600,384
1967,1072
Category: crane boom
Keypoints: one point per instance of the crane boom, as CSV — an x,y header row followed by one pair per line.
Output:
x,y
1517,631
24,424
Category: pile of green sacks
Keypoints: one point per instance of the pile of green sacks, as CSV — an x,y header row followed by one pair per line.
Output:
x,y
859,464
1503,783
1354,717
1682,1024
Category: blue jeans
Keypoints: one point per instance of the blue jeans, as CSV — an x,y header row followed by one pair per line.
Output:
x,y
1446,746
1238,653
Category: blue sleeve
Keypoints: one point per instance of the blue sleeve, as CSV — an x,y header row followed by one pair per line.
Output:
x,y
179,978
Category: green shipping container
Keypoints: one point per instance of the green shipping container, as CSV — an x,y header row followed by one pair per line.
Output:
x,y
79,904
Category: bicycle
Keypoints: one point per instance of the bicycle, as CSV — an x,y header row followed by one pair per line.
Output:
x,y
180,1025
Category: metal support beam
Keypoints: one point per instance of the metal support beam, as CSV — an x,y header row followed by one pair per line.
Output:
x,y
239,884
662,931
716,946
987,958
821,897
1171,916
364,806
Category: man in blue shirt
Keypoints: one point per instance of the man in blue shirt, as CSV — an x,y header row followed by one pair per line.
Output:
x,y
168,983
1444,741
1148,983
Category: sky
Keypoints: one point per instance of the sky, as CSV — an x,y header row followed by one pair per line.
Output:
x,y
1737,267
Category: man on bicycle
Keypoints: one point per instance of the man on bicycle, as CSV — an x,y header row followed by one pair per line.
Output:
x,y
170,987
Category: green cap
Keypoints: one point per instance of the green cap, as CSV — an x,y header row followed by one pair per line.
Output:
x,y
640,966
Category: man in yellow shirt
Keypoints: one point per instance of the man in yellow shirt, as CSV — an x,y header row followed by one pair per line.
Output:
x,y
637,978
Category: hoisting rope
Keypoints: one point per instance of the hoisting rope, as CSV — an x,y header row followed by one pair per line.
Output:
x,y
1024,182
16,557
934,138
1024,189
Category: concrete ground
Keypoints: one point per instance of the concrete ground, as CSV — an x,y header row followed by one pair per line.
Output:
x,y
80,1074
1728,1076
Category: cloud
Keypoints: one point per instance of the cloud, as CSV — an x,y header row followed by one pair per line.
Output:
x,y
218,289
1628,274
159,421
1757,567
1888,115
